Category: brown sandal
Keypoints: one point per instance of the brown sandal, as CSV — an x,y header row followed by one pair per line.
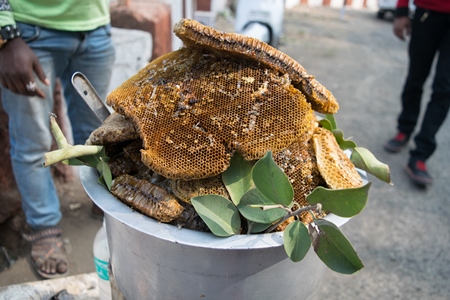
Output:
x,y
48,254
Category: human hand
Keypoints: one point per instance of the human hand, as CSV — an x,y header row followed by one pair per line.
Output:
x,y
402,27
17,63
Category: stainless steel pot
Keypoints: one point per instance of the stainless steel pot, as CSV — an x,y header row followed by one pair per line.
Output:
x,y
152,260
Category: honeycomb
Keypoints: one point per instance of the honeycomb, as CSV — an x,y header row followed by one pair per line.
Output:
x,y
194,34
194,109
221,94
146,198
115,129
187,189
334,166
298,162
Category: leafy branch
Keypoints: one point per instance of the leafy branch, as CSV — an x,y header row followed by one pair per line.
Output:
x,y
267,202
315,208
362,158
263,195
89,155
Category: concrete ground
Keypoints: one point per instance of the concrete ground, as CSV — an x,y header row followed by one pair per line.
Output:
x,y
403,234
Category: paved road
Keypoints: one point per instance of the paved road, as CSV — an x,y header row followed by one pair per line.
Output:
x,y
403,235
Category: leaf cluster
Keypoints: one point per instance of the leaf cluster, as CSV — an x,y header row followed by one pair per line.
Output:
x,y
262,197
77,155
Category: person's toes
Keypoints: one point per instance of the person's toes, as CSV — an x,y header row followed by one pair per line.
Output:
x,y
61,267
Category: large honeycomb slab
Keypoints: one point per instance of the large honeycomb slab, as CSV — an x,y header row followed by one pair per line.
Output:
x,y
196,35
194,109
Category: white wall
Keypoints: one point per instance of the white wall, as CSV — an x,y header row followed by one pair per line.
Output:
x,y
133,52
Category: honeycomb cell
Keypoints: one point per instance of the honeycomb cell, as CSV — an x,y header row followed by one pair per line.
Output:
x,y
194,110
298,162
185,190
334,165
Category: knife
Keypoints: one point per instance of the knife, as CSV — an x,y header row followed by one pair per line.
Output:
x,y
90,96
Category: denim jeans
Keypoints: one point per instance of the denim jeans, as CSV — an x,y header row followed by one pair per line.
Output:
x,y
430,35
61,53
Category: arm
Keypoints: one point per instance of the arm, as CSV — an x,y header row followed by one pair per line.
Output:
x,y
18,61
402,23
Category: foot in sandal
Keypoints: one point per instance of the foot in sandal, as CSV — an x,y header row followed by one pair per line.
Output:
x,y
48,254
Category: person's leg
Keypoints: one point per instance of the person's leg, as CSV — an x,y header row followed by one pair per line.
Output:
x,y
438,26
422,50
94,58
438,106
31,138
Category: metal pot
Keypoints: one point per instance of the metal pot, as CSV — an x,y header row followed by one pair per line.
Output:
x,y
152,260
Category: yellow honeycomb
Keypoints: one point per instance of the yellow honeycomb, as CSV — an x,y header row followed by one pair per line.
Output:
x,y
194,34
194,109
298,162
224,93
187,189
334,166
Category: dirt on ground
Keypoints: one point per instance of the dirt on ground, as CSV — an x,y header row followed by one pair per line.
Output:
x,y
403,234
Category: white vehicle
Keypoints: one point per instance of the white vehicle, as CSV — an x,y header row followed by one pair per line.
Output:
x,y
386,8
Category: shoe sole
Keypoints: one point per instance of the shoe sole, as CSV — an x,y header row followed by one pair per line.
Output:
x,y
418,180
391,149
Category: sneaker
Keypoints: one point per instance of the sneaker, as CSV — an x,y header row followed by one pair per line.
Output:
x,y
397,143
417,171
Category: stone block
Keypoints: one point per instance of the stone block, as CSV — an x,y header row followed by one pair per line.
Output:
x,y
150,16
133,52
207,18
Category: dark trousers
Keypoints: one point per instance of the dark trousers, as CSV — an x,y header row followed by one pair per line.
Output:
x,y
430,35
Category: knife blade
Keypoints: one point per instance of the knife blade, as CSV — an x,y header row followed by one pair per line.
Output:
x,y
85,89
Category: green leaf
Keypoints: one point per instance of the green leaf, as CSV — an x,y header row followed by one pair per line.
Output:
x,y
74,162
102,182
343,202
326,124
271,181
238,177
258,215
343,143
105,173
90,160
332,121
257,227
296,241
334,249
363,159
219,213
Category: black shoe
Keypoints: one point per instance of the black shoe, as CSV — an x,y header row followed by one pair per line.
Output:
x,y
417,171
397,143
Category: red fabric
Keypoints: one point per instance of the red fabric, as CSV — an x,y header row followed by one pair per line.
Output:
x,y
421,166
442,6
400,137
